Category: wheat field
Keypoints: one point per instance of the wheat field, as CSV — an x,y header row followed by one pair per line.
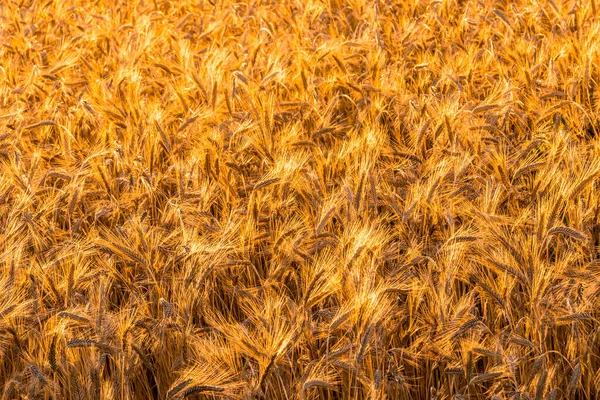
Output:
x,y
299,199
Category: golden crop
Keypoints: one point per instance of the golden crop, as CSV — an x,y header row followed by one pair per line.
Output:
x,y
299,199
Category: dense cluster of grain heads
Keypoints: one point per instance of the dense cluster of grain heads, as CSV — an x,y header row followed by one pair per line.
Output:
x,y
303,199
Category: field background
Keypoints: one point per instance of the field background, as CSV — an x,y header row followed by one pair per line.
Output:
x,y
336,199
